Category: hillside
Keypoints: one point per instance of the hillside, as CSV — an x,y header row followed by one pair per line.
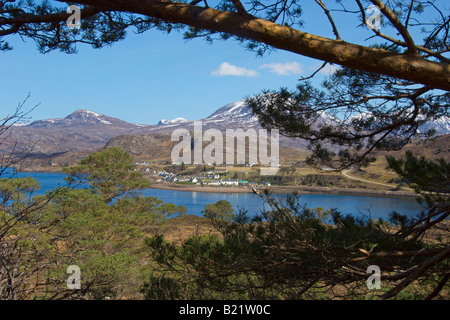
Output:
x,y
64,141
82,130
157,147
432,148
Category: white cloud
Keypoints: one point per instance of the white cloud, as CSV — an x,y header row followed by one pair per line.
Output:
x,y
284,69
227,69
329,69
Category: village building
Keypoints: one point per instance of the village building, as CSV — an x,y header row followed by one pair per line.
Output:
x,y
211,182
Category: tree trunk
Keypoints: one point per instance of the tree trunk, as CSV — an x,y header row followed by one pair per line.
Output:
x,y
404,66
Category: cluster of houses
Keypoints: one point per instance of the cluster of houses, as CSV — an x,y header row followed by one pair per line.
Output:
x,y
226,182
210,178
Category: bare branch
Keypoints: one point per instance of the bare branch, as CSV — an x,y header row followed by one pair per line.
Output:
x,y
398,25
240,8
443,254
330,18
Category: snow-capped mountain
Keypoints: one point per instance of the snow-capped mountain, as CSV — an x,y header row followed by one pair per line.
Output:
x,y
82,130
239,115
85,130
172,121
233,113
231,116
441,126
81,117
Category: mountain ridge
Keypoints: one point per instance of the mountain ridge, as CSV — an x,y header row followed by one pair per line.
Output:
x,y
86,130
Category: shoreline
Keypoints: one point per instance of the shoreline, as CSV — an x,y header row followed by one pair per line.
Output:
x,y
273,189
288,190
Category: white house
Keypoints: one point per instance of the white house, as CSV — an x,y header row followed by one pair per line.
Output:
x,y
211,182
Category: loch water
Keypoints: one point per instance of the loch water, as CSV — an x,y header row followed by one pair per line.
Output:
x,y
195,201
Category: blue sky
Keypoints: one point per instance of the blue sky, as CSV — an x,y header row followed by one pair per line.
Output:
x,y
152,76
142,79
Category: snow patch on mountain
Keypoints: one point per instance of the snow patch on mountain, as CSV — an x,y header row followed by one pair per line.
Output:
x,y
81,117
235,112
173,121
441,126
89,112
87,116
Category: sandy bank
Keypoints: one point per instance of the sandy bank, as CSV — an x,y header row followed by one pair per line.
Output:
x,y
274,189
287,190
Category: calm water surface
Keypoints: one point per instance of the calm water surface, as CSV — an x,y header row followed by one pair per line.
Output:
x,y
196,201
